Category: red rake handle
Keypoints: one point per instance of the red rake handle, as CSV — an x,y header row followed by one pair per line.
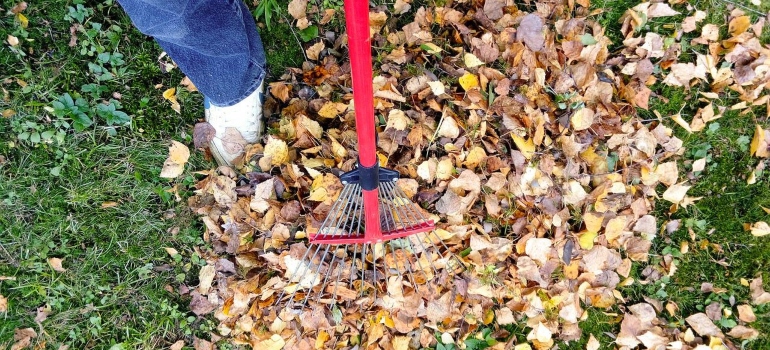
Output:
x,y
359,45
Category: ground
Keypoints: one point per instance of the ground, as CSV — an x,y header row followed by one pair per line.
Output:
x,y
91,196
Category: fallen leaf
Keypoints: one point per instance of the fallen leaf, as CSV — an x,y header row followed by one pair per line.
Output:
x,y
178,155
676,193
469,81
298,8
703,325
746,313
12,40
738,25
760,228
531,32
56,264
203,133
471,61
3,304
582,119
170,96
206,278
178,345
276,151
314,51
743,332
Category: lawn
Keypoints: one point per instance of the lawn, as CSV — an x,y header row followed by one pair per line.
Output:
x,y
90,194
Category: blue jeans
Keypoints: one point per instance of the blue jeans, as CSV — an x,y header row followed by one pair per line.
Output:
x,y
214,42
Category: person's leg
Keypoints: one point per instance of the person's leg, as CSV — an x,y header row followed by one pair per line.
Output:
x,y
216,44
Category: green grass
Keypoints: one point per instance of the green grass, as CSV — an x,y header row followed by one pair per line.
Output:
x,y
121,289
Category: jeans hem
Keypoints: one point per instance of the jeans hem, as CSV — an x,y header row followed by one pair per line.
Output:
x,y
252,87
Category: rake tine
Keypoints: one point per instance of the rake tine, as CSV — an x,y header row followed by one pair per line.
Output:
x,y
332,211
425,251
452,255
393,208
352,265
363,269
299,281
348,204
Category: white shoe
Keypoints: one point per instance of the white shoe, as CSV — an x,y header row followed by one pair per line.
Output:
x,y
236,126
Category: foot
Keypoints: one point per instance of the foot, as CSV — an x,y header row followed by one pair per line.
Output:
x,y
236,126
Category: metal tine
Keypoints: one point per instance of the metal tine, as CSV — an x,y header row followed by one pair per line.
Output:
x,y
394,208
299,281
425,251
389,194
452,255
391,208
348,204
333,211
355,253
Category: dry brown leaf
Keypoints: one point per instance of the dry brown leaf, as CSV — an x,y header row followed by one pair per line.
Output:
x,y
298,8
314,51
56,264
743,332
703,325
203,133
3,304
531,32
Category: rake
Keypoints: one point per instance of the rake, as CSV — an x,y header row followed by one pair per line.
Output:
x,y
374,238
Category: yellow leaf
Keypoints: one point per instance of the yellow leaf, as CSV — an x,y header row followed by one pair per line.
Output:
x,y
582,118
593,221
587,240
22,20
170,95
331,109
277,151
178,152
400,343
431,48
469,81
322,337
472,61
758,146
738,25
475,157
178,155
489,316
274,343
445,169
759,229
397,120
526,146
614,228
678,119
382,159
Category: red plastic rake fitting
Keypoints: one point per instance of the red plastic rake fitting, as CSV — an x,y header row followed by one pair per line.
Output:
x,y
368,172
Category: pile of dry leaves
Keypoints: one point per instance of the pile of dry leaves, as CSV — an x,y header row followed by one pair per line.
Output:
x,y
516,126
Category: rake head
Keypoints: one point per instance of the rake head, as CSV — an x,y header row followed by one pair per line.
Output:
x,y
355,255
